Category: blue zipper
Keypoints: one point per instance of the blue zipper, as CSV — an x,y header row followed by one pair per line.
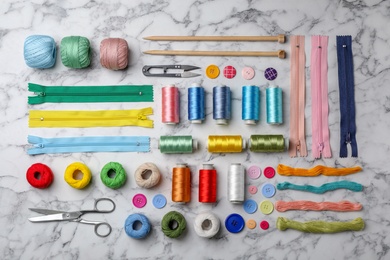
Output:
x,y
347,96
88,144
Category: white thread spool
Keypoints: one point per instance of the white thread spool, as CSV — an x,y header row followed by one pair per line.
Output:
x,y
206,224
141,175
236,183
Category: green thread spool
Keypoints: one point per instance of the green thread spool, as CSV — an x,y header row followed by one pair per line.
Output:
x,y
118,180
266,143
75,52
177,144
173,224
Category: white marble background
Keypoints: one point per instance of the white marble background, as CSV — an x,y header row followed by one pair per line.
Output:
x,y
366,20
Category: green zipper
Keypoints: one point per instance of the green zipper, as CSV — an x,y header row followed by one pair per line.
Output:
x,y
68,94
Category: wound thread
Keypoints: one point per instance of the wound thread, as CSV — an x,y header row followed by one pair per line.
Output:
x,y
236,183
317,170
133,221
225,144
196,104
222,108
208,184
266,143
349,185
274,104
173,224
118,180
39,176
342,206
170,105
40,51
177,144
250,104
181,183
206,224
72,170
147,175
75,52
114,53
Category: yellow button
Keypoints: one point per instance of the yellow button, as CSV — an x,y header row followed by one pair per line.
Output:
x,y
212,71
266,207
251,224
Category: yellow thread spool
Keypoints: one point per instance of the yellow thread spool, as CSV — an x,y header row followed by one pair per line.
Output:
x,y
70,178
225,144
181,183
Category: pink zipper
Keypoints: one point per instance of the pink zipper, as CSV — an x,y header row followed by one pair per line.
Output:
x,y
297,97
319,92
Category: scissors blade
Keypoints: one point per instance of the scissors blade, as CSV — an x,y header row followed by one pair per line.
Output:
x,y
188,74
57,217
46,211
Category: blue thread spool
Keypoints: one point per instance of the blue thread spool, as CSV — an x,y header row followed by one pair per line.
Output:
x,y
222,105
250,104
131,226
40,51
274,102
196,104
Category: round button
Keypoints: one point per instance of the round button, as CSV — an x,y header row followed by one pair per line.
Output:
x,y
264,225
139,200
251,224
270,73
159,201
268,190
269,172
229,72
212,71
250,206
252,189
254,172
248,73
234,223
266,207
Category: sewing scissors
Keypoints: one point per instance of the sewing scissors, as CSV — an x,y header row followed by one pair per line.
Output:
x,y
75,216
165,68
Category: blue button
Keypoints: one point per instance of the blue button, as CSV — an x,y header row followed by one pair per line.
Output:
x,y
159,201
234,223
268,190
250,206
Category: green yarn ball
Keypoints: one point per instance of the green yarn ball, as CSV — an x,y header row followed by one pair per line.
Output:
x,y
168,222
75,52
118,180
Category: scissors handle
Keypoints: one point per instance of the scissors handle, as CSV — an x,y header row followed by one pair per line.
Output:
x,y
96,207
97,224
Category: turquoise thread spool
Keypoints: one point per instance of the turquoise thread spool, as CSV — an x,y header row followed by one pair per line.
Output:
x,y
274,101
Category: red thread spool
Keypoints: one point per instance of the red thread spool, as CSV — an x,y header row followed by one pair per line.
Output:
x,y
39,176
170,105
208,184
181,183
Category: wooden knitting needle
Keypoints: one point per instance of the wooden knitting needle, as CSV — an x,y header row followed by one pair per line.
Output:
x,y
280,53
279,38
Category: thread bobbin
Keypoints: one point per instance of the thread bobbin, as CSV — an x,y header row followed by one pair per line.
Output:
x,y
219,138
170,105
207,184
199,104
236,183
181,183
177,139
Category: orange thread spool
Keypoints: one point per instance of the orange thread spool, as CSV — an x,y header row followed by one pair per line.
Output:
x,y
181,183
207,184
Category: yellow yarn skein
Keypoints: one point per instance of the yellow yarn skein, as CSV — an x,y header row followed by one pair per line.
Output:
x,y
69,175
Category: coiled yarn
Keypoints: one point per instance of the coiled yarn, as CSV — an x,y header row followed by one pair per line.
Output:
x,y
207,224
120,175
39,176
72,169
170,220
131,223
114,53
75,52
147,182
40,51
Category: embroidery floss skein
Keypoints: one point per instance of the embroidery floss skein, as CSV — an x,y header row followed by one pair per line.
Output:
x,y
114,53
320,227
206,224
170,105
147,175
118,180
222,108
75,52
349,185
236,183
173,224
341,206
196,104
250,104
135,220
317,170
225,144
40,51
72,170
266,143
39,176
177,144
181,183
207,184
274,102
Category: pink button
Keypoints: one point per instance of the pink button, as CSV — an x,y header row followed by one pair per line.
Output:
x,y
248,73
264,225
139,200
269,172
229,72
252,189
254,172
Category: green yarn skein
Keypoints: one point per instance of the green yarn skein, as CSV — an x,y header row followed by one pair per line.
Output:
x,y
119,178
75,52
169,220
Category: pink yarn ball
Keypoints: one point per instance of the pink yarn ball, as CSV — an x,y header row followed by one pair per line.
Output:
x,y
114,53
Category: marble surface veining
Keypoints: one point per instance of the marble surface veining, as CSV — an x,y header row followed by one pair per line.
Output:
x,y
366,20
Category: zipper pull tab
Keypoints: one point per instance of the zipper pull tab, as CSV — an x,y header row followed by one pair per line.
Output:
x,y
348,138
321,147
38,146
142,117
40,94
298,146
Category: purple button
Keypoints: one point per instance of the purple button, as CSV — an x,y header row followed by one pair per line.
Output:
x,y
254,172
270,73
139,200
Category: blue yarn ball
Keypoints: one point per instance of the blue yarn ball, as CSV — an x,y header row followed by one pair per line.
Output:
x,y
131,223
40,51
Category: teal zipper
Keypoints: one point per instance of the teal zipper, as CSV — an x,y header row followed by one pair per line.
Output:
x,y
68,94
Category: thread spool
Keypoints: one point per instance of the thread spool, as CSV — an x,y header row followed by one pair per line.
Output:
x,y
222,108
177,144
137,226
196,104
114,53
208,184
71,172
274,100
181,183
225,144
236,183
116,181
206,224
173,224
147,175
39,176
250,104
170,105
75,52
40,51
266,143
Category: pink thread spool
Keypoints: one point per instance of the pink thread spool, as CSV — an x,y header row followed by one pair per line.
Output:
x,y
170,105
114,53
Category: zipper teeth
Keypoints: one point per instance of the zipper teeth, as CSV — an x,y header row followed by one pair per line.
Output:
x,y
347,91
298,91
319,94
81,144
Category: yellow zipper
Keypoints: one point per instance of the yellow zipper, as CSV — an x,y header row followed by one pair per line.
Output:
x,y
76,118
